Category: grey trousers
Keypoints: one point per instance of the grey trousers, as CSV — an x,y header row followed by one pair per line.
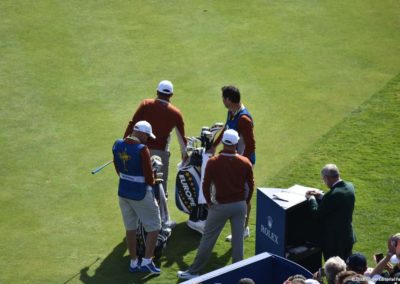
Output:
x,y
164,155
218,214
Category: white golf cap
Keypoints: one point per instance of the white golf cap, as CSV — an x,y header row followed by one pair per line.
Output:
x,y
230,137
165,87
145,127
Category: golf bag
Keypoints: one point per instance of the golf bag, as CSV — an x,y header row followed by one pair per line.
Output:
x,y
166,229
188,193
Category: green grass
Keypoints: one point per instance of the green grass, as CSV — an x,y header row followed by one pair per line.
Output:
x,y
365,146
73,72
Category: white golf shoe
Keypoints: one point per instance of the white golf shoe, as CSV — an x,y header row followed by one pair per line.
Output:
x,y
246,234
186,275
197,226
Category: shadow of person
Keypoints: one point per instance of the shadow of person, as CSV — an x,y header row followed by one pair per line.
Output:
x,y
185,240
182,241
114,269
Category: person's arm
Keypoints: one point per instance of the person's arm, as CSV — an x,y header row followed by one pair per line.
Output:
x,y
114,162
136,117
146,166
326,207
180,133
250,183
207,181
383,263
245,128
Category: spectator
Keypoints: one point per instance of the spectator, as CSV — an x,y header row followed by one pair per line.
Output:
x,y
332,267
350,277
229,172
357,262
295,279
334,213
246,281
393,246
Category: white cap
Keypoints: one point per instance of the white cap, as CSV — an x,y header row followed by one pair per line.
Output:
x,y
145,127
165,87
230,137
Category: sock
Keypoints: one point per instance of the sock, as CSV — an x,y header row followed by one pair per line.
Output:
x,y
146,261
134,262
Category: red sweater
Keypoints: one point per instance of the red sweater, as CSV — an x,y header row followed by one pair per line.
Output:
x,y
229,172
163,117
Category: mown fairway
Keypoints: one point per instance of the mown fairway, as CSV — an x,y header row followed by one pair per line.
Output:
x,y
314,74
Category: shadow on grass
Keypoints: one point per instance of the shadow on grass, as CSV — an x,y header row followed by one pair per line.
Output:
x,y
184,241
114,268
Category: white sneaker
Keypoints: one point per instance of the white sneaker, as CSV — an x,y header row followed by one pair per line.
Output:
x,y
246,234
186,275
197,226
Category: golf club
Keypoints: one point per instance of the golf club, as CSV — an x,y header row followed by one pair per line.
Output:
x,y
96,170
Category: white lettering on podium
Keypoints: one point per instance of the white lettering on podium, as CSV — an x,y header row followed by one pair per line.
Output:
x,y
273,237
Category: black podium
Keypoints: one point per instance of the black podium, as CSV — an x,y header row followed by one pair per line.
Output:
x,y
285,226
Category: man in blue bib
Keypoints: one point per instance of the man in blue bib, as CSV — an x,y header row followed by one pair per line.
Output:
x,y
238,119
136,198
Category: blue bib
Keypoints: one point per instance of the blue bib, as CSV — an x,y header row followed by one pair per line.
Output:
x,y
129,164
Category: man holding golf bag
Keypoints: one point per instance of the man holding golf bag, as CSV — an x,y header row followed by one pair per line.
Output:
x,y
239,119
136,199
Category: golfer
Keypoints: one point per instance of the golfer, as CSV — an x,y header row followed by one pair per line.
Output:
x,y
226,177
163,117
136,199
239,119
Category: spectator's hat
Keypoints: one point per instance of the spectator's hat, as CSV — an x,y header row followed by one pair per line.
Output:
x,y
165,87
230,137
357,262
145,127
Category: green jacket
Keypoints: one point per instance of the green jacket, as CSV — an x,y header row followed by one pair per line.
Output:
x,y
334,215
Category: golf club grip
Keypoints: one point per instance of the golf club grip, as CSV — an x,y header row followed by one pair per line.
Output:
x,y
96,170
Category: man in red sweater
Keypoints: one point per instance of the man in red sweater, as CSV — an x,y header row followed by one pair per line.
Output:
x,y
228,187
163,117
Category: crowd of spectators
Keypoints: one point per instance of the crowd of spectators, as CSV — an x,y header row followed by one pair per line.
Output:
x,y
355,269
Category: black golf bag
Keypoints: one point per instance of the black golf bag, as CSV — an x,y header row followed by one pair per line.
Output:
x,y
188,179
166,229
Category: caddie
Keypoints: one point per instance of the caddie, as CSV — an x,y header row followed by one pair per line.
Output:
x,y
239,119
136,199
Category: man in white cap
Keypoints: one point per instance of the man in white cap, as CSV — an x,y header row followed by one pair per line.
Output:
x,y
136,199
164,117
228,187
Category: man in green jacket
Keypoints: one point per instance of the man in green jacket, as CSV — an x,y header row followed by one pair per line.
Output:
x,y
334,213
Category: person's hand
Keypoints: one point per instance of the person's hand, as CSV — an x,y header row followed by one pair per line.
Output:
x,y
310,194
389,267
